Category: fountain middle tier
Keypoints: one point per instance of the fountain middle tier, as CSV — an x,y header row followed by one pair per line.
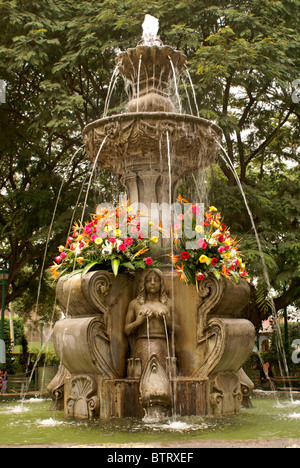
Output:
x,y
137,149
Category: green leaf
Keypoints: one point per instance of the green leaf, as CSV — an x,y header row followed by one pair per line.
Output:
x,y
115,263
88,268
128,265
236,276
217,274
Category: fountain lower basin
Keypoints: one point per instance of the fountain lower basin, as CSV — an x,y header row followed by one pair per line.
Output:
x,y
105,375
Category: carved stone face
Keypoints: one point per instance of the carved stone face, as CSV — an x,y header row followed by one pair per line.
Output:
x,y
152,283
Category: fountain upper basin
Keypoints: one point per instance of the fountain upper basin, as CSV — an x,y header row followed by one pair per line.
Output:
x,y
137,140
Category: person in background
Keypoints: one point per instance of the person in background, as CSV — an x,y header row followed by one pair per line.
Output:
x,y
4,381
1,381
267,377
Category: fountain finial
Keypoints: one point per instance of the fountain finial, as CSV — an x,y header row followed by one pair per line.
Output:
x,y
150,30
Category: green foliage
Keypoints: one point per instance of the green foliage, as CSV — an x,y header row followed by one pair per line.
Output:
x,y
57,57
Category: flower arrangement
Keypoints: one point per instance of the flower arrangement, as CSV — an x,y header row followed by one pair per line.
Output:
x,y
112,240
215,251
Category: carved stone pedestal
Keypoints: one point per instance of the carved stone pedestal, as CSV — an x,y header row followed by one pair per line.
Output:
x,y
99,376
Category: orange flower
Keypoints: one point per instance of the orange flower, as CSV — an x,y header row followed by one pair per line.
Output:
x,y
141,251
180,272
182,200
174,258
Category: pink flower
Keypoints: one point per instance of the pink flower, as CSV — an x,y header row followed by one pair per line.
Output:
x,y
69,240
180,217
196,209
177,227
93,237
221,249
63,255
200,276
58,259
82,244
122,247
103,235
202,244
149,261
128,241
112,240
141,235
134,229
87,230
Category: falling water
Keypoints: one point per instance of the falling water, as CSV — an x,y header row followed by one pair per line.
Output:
x,y
138,83
176,86
187,95
193,89
111,87
83,210
148,337
174,387
279,343
51,226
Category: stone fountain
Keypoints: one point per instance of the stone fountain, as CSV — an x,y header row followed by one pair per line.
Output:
x,y
147,344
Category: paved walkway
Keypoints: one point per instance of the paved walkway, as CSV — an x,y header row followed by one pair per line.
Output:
x,y
185,445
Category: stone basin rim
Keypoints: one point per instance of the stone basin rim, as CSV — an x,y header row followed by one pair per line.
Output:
x,y
152,116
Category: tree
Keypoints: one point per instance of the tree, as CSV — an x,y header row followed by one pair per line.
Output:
x,y
57,57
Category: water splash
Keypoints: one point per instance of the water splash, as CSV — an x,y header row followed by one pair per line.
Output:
x,y
49,422
150,30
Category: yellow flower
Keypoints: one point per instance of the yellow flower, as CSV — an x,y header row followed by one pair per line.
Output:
x,y
98,241
154,239
117,232
80,260
203,259
129,209
80,237
61,248
227,242
212,208
199,229
108,228
151,223
216,224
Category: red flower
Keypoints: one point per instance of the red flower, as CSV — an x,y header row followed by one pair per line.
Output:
x,y
149,261
221,238
200,276
112,240
122,247
214,261
185,255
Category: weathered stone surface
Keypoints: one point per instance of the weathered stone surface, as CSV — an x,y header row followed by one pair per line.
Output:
x,y
118,343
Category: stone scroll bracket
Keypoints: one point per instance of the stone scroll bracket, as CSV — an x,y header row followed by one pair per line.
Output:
x,y
83,402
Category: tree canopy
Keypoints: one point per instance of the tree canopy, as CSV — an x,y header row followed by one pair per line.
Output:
x,y
57,58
